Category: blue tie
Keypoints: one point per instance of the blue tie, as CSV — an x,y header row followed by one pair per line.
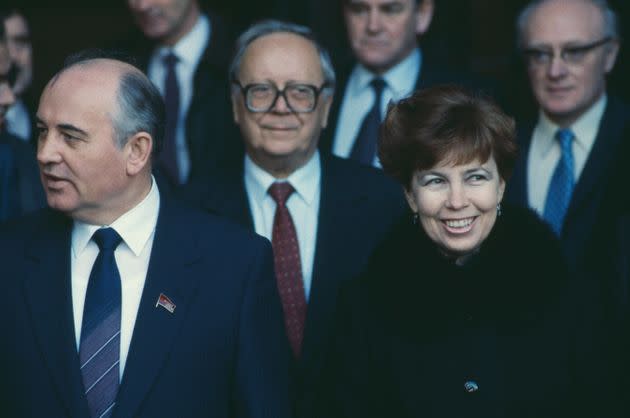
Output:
x,y
99,352
364,149
562,183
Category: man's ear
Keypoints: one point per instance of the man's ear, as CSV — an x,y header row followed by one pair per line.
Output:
x,y
138,150
424,15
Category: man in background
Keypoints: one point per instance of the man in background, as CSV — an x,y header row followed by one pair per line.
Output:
x,y
19,121
185,52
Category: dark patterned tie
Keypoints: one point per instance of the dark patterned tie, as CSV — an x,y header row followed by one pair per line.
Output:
x,y
364,148
168,156
99,352
286,253
562,183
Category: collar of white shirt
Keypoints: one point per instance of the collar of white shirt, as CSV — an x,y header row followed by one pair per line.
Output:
x,y
135,226
400,79
305,180
190,48
585,128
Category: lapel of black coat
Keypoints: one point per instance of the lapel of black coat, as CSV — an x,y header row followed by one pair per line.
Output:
x,y
171,272
516,190
49,298
337,207
600,160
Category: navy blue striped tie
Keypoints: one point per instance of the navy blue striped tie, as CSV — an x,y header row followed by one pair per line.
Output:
x,y
99,352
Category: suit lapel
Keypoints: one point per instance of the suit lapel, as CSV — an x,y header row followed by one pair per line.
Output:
x,y
48,296
517,192
600,159
335,210
171,272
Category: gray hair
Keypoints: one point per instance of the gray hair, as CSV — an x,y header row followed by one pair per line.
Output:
x,y
267,27
140,107
611,21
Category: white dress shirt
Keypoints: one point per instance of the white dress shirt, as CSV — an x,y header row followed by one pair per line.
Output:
x,y
359,98
18,121
545,151
137,229
303,205
189,50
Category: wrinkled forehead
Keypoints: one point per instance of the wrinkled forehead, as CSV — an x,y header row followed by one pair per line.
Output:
x,y
282,56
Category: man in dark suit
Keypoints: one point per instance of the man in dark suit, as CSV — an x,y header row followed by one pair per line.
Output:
x,y
20,190
324,215
123,303
569,154
185,52
388,65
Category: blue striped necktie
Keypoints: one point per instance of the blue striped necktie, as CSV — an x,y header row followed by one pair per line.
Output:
x,y
99,352
562,183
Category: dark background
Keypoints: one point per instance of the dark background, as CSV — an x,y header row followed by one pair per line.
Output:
x,y
469,35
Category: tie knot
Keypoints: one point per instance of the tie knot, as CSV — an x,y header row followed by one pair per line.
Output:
x,y
378,84
170,60
565,136
106,239
280,191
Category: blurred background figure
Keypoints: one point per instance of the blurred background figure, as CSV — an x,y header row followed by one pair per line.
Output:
x,y
185,51
324,215
20,188
453,316
19,120
571,151
389,64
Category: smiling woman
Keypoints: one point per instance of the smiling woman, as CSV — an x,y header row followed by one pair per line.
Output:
x,y
462,309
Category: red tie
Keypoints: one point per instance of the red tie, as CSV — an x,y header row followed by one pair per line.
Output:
x,y
286,250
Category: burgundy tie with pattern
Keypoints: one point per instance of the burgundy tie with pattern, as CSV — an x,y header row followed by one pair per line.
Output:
x,y
286,250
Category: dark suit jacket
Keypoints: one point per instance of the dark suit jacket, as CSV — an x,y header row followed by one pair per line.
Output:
x,y
20,188
358,205
590,213
211,134
431,74
221,353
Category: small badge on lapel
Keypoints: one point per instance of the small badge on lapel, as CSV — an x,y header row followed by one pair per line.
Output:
x,y
166,303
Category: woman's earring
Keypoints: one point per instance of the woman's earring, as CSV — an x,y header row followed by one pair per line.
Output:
x,y
499,211
416,218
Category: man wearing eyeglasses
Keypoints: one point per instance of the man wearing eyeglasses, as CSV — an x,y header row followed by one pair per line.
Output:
x,y
323,214
568,154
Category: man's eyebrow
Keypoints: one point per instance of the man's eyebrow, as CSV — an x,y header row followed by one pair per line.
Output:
x,y
71,128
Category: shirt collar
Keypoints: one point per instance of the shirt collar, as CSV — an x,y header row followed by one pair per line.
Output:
x,y
397,77
190,48
135,226
584,128
305,180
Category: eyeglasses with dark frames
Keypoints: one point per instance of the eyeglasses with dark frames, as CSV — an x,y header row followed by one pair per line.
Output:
x,y
262,97
572,55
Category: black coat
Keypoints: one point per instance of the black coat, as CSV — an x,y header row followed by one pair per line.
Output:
x,y
423,337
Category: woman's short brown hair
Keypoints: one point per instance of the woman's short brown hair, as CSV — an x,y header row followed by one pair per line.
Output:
x,y
445,123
